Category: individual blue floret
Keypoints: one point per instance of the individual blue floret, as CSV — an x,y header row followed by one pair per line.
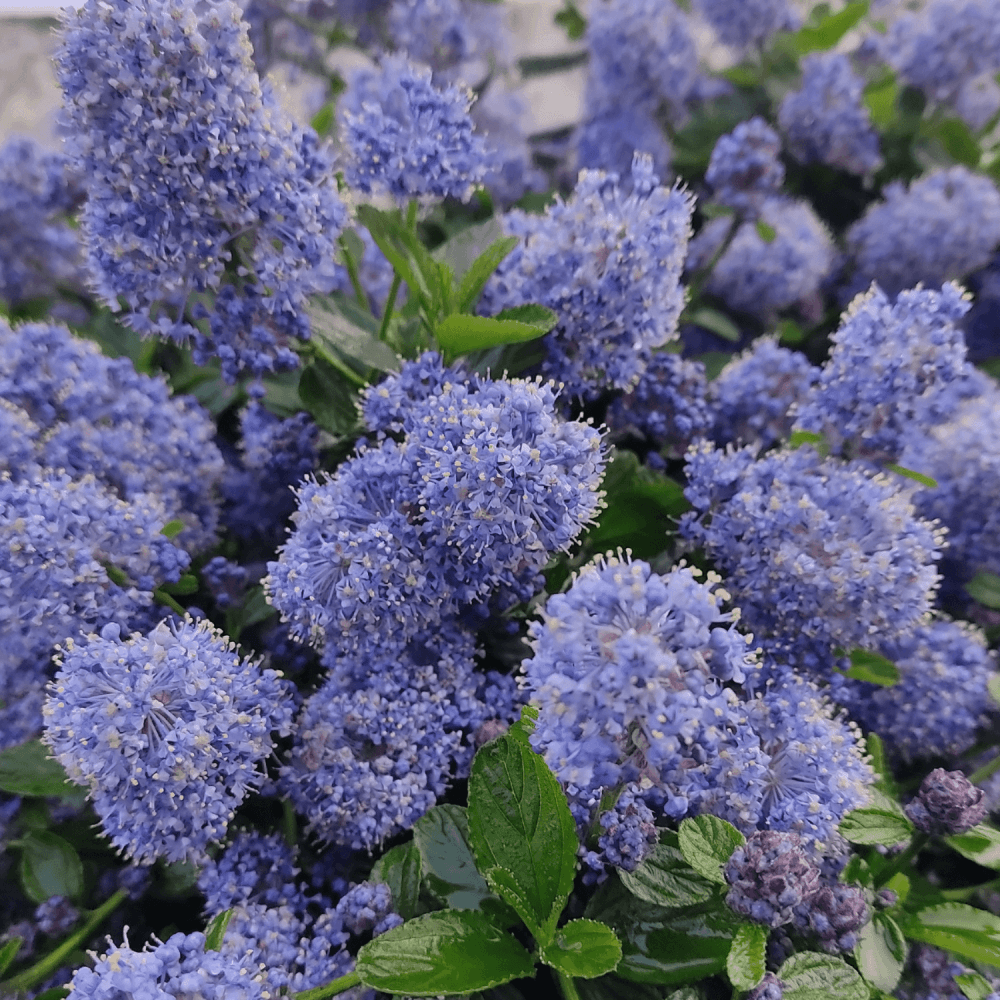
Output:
x,y
629,674
97,415
667,407
178,968
406,136
609,265
196,179
742,23
793,763
753,399
744,168
945,225
827,121
167,730
275,455
941,699
39,251
771,264
817,554
896,368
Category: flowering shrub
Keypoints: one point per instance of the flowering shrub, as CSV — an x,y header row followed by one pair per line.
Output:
x,y
443,558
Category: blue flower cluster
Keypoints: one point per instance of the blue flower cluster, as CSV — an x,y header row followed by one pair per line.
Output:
x,y
609,265
816,553
945,225
744,168
743,23
409,138
167,730
196,181
826,121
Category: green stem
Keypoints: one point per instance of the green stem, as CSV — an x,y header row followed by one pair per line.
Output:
x,y
340,985
352,270
289,826
390,304
164,598
982,773
44,968
901,860
335,362
568,987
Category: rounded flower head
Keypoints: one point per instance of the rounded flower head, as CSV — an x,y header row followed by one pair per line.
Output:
x,y
609,265
817,554
889,371
744,168
947,804
747,22
168,730
629,676
775,262
408,137
941,699
944,226
196,179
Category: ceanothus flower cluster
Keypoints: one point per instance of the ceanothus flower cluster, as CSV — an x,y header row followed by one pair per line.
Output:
x,y
826,121
407,137
168,731
197,182
744,168
894,367
817,554
609,265
944,226
742,23
946,804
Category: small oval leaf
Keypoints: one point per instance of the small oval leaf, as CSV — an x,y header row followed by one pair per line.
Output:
x,y
707,843
584,949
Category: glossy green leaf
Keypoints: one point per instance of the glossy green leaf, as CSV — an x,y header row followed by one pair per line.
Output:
x,y
880,98
766,231
959,142
507,886
812,976
584,949
329,398
917,477
745,963
401,869
442,837
519,820
216,930
334,330
985,588
450,952
666,879
875,826
187,584
26,769
857,872
831,29
880,953
482,268
8,952
872,667
970,933
719,323
974,986
50,867
707,843
459,334
980,844
571,20
800,438
172,528
468,245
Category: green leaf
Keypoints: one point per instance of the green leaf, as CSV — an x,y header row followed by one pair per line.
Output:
x,y
450,951
870,825
959,142
50,866
666,879
572,20
459,334
956,927
519,820
329,398
800,438
745,963
766,231
216,930
322,121
980,844
707,843
871,667
876,751
388,230
719,323
27,770
474,280
880,98
918,477
790,333
187,584
468,245
993,687
8,952
584,949
858,872
974,986
506,885
811,976
881,952
401,870
56,993
985,588
530,313
172,528
830,30
441,836
252,611
335,331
